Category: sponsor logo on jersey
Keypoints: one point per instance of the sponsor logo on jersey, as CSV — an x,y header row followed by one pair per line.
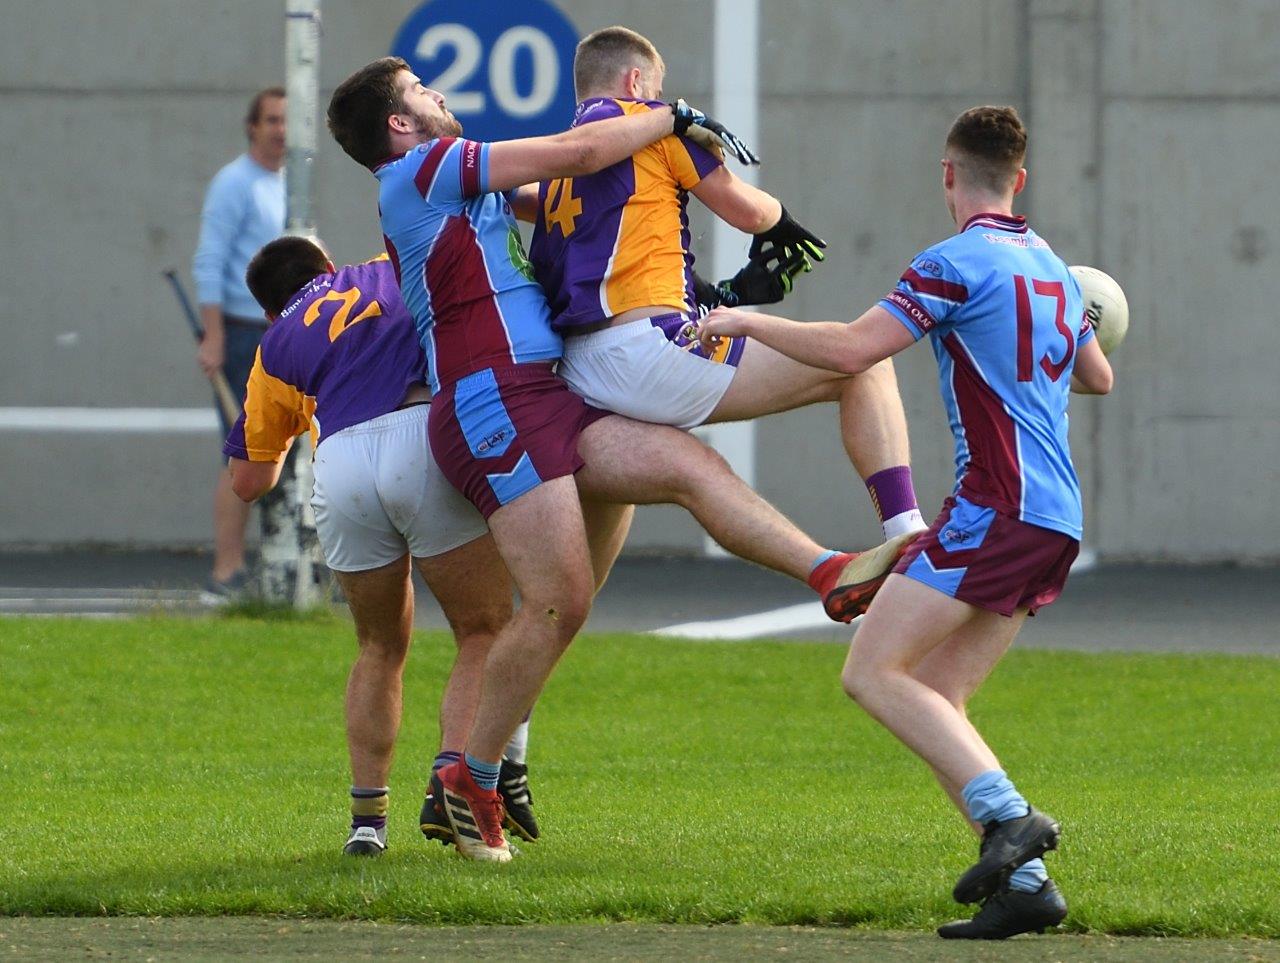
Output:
x,y
1020,240
921,318
493,441
929,267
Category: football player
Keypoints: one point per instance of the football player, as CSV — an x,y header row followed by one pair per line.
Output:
x,y
1006,322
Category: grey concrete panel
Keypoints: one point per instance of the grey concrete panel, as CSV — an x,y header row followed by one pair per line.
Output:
x,y
872,48
130,489
1194,422
1155,49
107,191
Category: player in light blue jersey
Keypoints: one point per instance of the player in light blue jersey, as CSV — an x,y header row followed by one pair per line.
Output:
x,y
1006,322
507,432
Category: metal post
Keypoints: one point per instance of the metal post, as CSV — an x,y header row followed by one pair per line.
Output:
x,y
291,568
734,102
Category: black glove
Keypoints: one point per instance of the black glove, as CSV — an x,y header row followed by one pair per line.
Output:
x,y
757,283
687,116
790,237
705,294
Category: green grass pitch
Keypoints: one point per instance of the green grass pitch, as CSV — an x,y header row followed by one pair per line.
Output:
x,y
175,767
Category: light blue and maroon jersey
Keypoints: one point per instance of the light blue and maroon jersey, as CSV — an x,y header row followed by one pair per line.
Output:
x,y
461,263
343,351
619,239
1005,317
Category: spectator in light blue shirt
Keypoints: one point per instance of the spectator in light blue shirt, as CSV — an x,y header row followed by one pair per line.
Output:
x,y
243,210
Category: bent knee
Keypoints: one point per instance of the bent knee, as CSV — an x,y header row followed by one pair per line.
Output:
x,y
389,648
479,623
857,680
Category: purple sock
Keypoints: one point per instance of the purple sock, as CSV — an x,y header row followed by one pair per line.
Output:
x,y
445,757
892,492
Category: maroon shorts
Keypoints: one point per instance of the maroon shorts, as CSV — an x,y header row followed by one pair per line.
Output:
x,y
993,561
501,432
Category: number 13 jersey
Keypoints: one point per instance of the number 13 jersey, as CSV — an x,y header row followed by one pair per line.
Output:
x,y
1005,318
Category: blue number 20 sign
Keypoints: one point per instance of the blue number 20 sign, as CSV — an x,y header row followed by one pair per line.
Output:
x,y
504,67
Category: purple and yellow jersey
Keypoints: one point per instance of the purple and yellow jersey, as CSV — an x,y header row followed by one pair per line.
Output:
x,y
460,262
619,239
1005,317
343,351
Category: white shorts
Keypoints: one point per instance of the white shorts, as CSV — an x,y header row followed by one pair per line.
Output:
x,y
635,370
379,494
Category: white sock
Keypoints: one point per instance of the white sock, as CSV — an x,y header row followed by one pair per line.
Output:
x,y
519,744
903,524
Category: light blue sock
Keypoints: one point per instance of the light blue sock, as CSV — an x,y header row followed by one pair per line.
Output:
x,y
822,558
484,773
990,796
1029,877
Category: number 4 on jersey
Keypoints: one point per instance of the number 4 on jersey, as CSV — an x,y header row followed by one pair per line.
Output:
x,y
562,208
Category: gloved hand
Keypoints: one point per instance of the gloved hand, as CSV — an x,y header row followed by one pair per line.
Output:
x,y
789,236
687,117
758,282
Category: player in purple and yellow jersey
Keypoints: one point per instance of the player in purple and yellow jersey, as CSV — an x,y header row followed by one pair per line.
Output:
x,y
506,431
342,355
612,251
1007,325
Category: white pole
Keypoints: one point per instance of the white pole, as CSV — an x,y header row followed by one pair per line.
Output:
x,y
735,103
302,85
290,558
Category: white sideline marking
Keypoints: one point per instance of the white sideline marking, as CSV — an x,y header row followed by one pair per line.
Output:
x,y
795,618
792,618
146,420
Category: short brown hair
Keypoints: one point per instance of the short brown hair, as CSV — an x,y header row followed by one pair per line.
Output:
x,y
360,107
254,113
602,55
283,268
991,144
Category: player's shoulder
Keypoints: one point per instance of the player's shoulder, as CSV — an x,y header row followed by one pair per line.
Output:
x,y
232,176
603,108
941,260
369,276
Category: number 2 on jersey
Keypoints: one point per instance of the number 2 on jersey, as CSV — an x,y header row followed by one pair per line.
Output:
x,y
1048,289
561,208
346,301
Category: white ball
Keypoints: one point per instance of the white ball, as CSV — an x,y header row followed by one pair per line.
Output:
x,y
1104,304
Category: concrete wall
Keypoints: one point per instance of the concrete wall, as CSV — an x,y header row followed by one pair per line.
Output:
x,y
1153,124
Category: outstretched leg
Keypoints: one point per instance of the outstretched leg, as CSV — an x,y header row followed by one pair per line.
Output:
x,y
873,424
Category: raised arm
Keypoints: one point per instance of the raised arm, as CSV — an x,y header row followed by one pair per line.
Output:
x,y
582,150
738,203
